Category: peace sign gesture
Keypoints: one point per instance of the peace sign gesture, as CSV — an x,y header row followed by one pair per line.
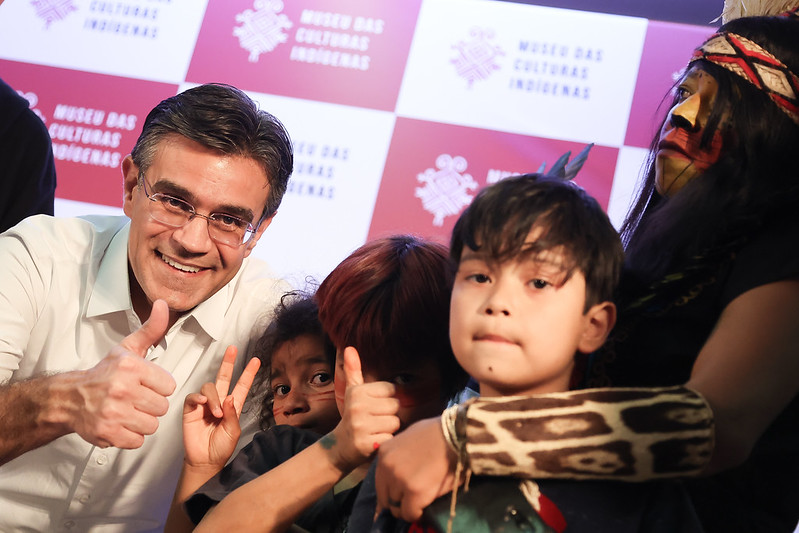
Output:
x,y
211,417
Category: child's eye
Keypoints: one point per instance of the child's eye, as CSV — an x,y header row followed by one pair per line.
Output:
x,y
539,283
321,378
281,390
479,278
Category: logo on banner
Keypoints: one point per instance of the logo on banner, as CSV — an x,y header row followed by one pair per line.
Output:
x,y
262,30
53,10
477,58
33,99
445,191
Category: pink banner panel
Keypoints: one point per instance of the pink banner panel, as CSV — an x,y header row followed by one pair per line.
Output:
x,y
667,49
434,170
350,52
93,120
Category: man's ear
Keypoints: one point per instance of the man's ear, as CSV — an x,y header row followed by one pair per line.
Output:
x,y
257,235
130,180
599,320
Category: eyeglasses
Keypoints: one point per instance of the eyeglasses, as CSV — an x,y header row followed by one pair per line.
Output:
x,y
222,228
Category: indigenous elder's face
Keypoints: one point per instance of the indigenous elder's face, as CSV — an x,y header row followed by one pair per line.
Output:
x,y
680,158
516,325
302,382
418,387
183,265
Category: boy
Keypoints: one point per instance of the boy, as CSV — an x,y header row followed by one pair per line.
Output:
x,y
537,265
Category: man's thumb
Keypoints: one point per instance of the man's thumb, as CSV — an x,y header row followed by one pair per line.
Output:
x,y
151,332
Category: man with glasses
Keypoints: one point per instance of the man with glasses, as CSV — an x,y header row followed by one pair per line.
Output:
x,y
107,323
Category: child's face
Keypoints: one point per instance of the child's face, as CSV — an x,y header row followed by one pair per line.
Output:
x,y
516,326
302,381
418,388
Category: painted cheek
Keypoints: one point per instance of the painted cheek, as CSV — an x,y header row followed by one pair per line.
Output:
x,y
410,397
709,156
324,396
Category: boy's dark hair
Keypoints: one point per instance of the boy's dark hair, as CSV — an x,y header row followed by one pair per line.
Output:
x,y
222,118
390,300
296,315
500,217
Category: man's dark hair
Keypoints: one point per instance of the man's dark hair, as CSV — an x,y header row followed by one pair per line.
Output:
x,y
222,118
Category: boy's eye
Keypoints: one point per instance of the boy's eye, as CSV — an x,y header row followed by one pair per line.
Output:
x,y
479,278
539,283
321,378
281,390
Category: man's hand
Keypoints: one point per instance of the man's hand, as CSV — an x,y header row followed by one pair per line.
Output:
x,y
119,400
369,418
211,427
413,469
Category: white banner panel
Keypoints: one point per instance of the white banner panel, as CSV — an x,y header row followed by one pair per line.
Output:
x,y
523,69
144,39
339,154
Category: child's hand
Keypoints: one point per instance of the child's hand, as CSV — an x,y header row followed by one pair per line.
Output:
x,y
210,426
369,417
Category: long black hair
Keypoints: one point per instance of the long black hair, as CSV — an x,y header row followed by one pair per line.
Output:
x,y
755,179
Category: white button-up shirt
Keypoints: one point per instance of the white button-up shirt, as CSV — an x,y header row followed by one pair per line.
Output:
x,y
64,302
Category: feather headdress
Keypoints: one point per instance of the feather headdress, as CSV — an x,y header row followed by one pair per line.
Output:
x,y
734,9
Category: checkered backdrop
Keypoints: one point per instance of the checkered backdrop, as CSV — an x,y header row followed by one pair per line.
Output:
x,y
400,110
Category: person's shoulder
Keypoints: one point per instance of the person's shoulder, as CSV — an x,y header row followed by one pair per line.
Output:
x,y
66,237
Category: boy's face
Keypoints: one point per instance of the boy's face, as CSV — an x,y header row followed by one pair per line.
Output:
x,y
516,326
418,388
302,381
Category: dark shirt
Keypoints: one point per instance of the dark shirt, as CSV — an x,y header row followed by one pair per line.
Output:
x,y
27,167
267,450
658,344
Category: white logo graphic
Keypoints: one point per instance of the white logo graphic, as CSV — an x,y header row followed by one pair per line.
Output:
x,y
477,57
53,10
262,30
445,191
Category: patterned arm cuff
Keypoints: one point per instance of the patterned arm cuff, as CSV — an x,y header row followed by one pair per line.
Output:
x,y
632,434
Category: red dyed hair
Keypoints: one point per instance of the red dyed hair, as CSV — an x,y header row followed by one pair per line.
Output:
x,y
390,300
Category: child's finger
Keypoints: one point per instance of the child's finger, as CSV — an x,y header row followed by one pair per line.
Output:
x,y
230,422
352,366
225,373
214,401
244,383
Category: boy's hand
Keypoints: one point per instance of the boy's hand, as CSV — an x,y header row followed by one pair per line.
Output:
x,y
414,469
369,417
211,427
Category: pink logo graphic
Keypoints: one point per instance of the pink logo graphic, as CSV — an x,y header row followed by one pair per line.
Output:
x,y
445,191
477,57
53,10
262,30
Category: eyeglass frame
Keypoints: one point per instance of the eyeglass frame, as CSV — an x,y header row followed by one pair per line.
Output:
x,y
192,212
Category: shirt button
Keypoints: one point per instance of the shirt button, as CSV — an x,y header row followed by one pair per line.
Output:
x,y
102,459
69,524
85,498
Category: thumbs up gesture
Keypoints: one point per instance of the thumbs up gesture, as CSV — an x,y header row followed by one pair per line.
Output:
x,y
118,401
369,417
